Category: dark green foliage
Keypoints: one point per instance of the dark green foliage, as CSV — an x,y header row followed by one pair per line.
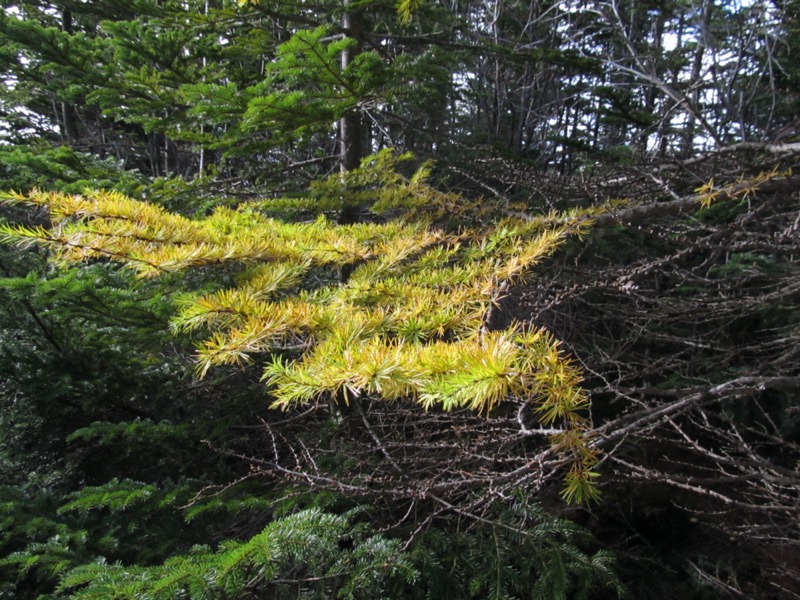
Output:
x,y
63,169
523,553
42,541
315,554
307,88
100,429
311,554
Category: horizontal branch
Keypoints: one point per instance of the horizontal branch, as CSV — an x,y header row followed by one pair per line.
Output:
x,y
686,204
655,415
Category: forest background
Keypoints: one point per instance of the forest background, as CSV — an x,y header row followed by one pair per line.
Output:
x,y
365,299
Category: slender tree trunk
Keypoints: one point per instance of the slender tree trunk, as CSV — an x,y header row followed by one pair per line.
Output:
x,y
350,125
697,70
202,157
69,116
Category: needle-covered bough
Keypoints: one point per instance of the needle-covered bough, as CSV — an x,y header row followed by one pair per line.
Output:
x,y
397,308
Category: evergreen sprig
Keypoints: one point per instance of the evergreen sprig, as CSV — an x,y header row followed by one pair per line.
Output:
x,y
520,552
309,552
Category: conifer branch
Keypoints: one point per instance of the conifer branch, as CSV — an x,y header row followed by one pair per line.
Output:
x,y
412,321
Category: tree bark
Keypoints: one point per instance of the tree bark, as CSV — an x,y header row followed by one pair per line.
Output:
x,y
350,125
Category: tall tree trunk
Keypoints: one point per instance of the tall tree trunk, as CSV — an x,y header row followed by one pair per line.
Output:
x,y
69,117
350,125
704,22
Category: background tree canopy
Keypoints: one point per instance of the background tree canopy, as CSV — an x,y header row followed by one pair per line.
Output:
x,y
364,299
